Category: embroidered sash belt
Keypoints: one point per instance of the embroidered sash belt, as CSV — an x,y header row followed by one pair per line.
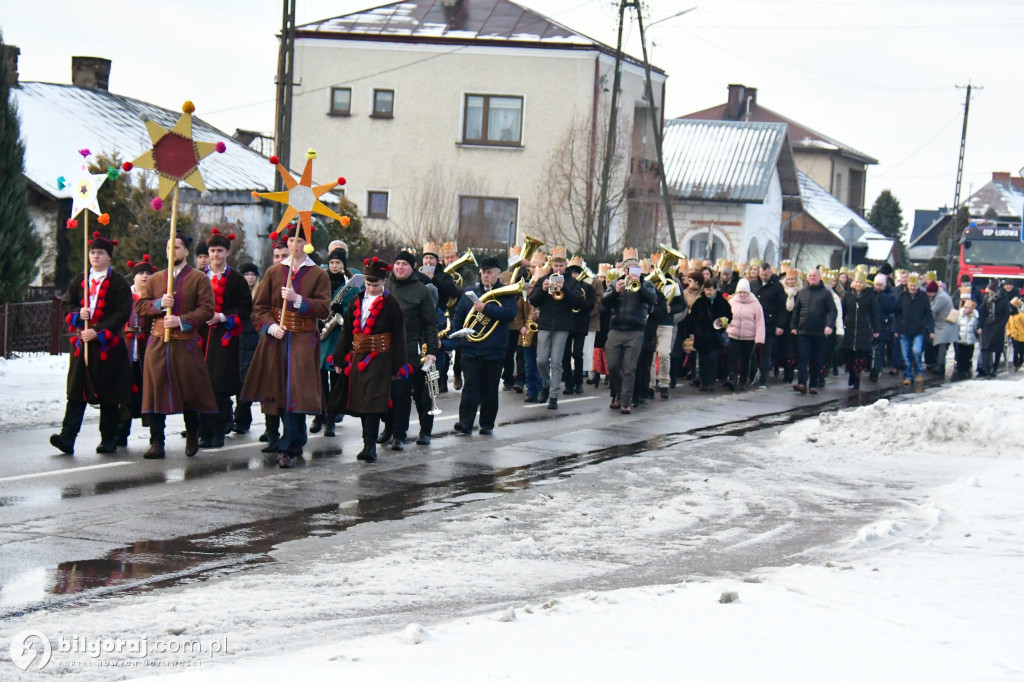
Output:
x,y
294,322
368,343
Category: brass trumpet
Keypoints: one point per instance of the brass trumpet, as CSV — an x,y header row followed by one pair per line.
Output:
x,y
530,246
479,325
457,265
634,285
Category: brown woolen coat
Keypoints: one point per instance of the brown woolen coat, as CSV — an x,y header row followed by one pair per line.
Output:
x,y
109,380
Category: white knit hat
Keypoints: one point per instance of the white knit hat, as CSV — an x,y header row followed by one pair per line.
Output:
x,y
743,285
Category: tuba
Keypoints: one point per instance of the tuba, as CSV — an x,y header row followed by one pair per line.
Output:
x,y
530,246
660,275
480,326
454,268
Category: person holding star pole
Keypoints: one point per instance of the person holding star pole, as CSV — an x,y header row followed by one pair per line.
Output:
x,y
178,302
284,375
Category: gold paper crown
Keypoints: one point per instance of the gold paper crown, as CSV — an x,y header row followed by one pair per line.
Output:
x,y
741,267
755,263
576,260
792,272
844,270
860,276
431,248
557,252
645,266
914,278
695,264
449,249
785,265
629,254
655,258
726,264
861,268
930,276
603,268
827,275
515,250
539,258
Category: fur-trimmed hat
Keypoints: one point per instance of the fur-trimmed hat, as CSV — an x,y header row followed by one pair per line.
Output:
x,y
375,267
100,242
142,266
218,238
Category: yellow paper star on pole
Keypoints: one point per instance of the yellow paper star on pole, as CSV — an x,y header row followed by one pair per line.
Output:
x,y
302,198
175,156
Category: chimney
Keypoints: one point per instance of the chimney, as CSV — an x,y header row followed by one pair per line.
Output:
x,y
10,56
749,103
734,107
90,72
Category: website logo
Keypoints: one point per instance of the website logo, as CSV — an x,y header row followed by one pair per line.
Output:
x,y
30,646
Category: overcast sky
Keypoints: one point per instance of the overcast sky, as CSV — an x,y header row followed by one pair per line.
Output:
x,y
878,75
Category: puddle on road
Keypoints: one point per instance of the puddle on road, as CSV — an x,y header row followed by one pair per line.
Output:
x,y
163,563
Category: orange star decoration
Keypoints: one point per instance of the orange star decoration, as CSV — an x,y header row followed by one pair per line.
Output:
x,y
175,156
302,199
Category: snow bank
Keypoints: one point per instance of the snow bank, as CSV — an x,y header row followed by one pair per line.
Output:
x,y
33,391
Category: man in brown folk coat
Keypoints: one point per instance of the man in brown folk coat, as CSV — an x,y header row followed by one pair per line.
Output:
x,y
174,377
221,336
284,375
98,325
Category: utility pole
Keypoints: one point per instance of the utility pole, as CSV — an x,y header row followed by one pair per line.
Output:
x,y
656,127
954,238
285,79
609,147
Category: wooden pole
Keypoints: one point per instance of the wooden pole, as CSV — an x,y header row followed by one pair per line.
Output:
x,y
85,280
170,259
291,261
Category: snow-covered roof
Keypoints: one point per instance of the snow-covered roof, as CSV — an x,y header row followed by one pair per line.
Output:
x,y
1006,200
493,22
833,215
57,120
726,160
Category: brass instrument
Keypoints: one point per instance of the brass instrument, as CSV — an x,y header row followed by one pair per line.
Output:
x,y
611,276
433,377
531,331
357,281
633,285
556,294
660,277
530,246
480,326
457,265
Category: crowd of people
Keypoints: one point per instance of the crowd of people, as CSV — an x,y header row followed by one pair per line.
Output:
x,y
306,341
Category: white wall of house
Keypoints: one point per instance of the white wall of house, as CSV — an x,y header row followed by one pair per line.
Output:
x,y
762,223
830,171
421,148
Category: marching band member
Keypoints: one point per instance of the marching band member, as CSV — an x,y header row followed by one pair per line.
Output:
x,y
628,312
96,313
555,302
371,352
513,367
175,379
572,356
221,337
448,294
482,359
284,375
450,254
420,328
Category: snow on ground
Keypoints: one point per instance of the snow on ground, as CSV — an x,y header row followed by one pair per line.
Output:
x,y
32,391
925,586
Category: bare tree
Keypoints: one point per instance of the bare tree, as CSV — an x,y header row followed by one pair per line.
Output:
x,y
428,211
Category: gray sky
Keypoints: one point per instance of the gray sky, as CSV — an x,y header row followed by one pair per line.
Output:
x,y
878,75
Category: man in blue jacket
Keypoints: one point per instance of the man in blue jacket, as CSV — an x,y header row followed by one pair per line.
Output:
x,y
482,359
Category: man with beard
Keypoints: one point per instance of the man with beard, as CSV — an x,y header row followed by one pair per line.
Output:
x,y
175,379
98,371
221,336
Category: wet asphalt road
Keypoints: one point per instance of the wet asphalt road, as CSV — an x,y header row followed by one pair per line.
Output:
x,y
76,528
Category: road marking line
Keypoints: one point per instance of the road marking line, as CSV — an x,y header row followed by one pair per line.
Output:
x,y
65,471
566,401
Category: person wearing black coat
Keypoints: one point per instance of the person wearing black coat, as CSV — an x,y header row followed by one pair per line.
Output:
x,y
772,298
914,317
860,318
628,312
572,356
885,310
707,336
555,323
993,313
482,360
812,322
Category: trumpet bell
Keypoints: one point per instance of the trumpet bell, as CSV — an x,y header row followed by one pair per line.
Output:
x,y
634,285
558,294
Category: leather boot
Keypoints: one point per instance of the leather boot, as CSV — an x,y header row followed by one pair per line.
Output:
x,y
369,451
191,443
383,438
63,444
156,451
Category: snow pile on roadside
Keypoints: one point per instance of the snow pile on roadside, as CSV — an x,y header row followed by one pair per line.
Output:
x,y
33,391
980,418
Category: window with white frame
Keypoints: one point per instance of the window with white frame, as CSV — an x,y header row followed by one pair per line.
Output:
x,y
487,222
383,103
493,120
376,204
341,102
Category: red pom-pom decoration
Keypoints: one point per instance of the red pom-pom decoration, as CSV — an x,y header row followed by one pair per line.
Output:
x,y
95,235
157,203
130,264
127,166
341,181
345,221
231,236
274,235
72,223
145,258
274,160
104,219
115,242
221,147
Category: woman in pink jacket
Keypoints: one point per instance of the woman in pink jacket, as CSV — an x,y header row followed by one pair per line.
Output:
x,y
746,332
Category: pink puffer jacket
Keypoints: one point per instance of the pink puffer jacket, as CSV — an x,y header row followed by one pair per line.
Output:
x,y
747,319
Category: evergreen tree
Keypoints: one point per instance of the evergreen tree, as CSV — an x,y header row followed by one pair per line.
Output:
x,y
20,246
886,216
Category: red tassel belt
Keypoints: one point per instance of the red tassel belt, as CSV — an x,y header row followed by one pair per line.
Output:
x,y
295,322
369,343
